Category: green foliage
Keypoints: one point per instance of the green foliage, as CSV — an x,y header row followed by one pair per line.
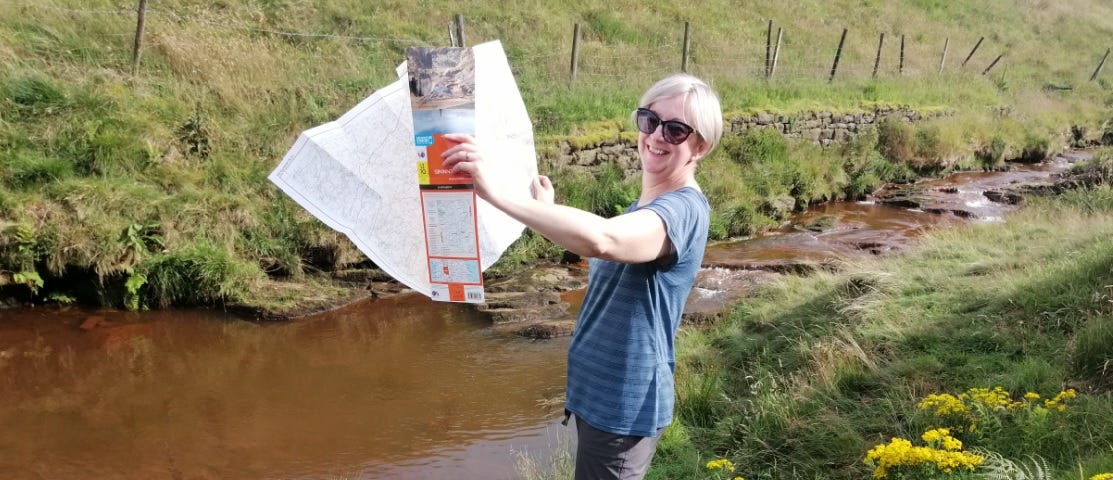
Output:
x,y
607,194
195,136
34,94
132,285
26,170
612,28
997,467
200,274
1036,148
992,154
29,278
1098,170
1091,354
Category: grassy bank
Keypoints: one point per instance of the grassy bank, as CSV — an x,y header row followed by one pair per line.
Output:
x,y
149,189
805,378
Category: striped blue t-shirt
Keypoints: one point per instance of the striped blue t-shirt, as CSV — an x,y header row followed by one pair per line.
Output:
x,y
621,360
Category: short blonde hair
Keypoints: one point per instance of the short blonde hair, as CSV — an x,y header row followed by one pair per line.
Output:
x,y
701,103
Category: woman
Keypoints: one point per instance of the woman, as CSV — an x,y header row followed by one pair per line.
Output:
x,y
642,267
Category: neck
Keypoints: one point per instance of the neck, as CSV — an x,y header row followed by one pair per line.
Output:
x,y
655,187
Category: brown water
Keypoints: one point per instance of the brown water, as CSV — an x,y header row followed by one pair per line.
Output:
x,y
396,388
841,230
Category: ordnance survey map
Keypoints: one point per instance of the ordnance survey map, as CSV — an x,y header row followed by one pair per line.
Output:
x,y
358,173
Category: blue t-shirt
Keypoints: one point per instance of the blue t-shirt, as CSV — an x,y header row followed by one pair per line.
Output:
x,y
621,359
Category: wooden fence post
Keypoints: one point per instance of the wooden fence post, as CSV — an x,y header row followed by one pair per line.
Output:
x,y
992,64
1100,64
776,53
877,59
141,15
900,71
976,45
687,45
943,59
768,46
838,53
451,35
460,30
575,52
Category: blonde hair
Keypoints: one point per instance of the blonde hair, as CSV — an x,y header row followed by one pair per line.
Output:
x,y
701,103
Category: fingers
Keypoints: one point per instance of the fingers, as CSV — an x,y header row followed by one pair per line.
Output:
x,y
465,150
542,189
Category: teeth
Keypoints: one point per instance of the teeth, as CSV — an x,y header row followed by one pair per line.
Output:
x,y
656,152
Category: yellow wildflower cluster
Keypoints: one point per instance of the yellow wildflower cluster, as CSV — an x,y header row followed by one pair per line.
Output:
x,y
724,465
947,405
1102,476
721,464
990,399
944,405
1058,402
941,438
901,453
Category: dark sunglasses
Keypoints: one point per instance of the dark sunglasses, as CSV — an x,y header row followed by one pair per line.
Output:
x,y
672,131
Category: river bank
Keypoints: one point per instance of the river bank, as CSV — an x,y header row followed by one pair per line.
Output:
x,y
541,301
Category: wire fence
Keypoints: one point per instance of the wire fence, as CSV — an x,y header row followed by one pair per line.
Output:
x,y
584,61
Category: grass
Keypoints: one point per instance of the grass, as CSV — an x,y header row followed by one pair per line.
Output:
x,y
88,150
804,378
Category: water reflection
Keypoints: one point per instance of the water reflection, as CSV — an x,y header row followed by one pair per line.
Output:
x,y
396,388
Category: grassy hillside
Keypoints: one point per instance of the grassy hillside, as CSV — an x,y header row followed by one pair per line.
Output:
x,y
149,188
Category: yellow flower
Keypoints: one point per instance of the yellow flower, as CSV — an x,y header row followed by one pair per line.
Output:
x,y
900,453
992,399
1031,396
720,464
1057,402
1102,476
943,404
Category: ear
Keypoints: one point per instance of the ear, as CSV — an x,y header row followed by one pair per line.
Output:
x,y
699,151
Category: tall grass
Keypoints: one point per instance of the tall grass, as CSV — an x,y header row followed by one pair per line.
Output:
x,y
819,369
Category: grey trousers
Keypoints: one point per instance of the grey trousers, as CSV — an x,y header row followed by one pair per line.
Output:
x,y
605,456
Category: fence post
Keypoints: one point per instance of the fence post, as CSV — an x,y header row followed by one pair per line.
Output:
x,y
877,59
838,53
141,15
900,71
1100,64
992,64
575,52
776,53
976,45
943,59
452,35
768,42
460,30
687,45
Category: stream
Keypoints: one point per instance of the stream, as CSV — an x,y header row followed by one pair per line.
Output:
x,y
399,387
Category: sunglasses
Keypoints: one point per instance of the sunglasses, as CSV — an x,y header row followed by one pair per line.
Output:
x,y
672,131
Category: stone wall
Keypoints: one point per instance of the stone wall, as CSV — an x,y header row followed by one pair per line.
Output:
x,y
820,127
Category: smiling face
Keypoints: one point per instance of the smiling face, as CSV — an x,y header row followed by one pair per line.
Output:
x,y
661,159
